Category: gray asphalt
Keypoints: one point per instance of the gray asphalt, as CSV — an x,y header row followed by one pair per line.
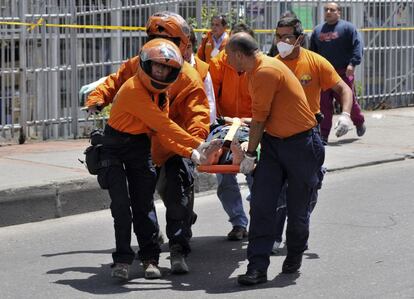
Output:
x,y
360,247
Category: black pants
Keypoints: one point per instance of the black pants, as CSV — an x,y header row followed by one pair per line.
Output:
x,y
131,186
297,160
176,188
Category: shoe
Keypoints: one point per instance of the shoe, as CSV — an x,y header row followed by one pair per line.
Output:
x,y
238,233
120,270
276,246
252,277
360,130
292,263
151,270
177,260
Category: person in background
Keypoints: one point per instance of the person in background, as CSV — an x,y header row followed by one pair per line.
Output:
x,y
339,42
215,40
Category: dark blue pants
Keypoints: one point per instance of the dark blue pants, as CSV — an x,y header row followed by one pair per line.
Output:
x,y
131,186
176,188
297,159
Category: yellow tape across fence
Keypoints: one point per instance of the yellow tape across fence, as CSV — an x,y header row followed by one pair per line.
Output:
x,y
41,22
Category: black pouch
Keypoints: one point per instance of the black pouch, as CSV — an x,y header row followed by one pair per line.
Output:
x,y
93,159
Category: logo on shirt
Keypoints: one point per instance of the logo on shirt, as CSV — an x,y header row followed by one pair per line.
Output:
x,y
328,36
305,79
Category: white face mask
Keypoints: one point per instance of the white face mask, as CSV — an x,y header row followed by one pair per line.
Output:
x,y
284,49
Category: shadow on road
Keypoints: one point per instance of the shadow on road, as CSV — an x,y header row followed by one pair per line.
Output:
x,y
213,263
342,141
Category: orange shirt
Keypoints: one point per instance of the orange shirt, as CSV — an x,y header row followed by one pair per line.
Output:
x,y
189,106
201,67
207,46
136,111
278,99
230,88
314,73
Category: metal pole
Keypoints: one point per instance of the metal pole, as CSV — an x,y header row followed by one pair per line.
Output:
x,y
74,72
22,74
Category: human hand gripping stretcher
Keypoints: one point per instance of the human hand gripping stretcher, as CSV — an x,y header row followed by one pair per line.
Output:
x,y
217,153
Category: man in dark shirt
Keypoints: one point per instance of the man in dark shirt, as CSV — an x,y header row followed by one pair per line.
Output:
x,y
339,42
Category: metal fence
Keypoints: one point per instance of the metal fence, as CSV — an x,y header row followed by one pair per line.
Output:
x,y
49,49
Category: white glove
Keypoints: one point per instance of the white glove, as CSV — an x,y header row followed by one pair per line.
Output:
x,y
86,89
196,157
202,147
343,125
247,164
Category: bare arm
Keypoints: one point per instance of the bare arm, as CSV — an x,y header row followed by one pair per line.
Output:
x,y
255,135
345,94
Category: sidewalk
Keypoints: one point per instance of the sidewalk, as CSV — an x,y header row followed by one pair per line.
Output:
x,y
45,180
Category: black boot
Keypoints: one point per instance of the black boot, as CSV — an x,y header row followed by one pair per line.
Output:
x,y
292,263
252,277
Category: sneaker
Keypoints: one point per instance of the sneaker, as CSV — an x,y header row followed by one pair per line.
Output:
x,y
151,270
276,246
120,270
177,260
360,130
238,233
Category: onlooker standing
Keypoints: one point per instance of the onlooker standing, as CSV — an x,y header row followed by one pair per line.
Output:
x,y
339,42
290,149
215,40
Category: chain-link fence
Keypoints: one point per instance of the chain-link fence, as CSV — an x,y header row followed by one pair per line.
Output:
x,y
50,48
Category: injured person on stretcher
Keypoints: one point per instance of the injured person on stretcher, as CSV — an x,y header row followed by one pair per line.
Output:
x,y
226,150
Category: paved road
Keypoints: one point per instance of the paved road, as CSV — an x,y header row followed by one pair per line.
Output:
x,y
360,247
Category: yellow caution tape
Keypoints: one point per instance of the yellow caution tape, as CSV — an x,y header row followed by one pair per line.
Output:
x,y
41,22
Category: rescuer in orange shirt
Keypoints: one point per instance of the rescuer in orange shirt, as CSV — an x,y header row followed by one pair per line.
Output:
x,y
140,109
189,108
315,74
215,40
291,149
232,100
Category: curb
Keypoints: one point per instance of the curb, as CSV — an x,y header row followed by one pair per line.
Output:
x,y
59,199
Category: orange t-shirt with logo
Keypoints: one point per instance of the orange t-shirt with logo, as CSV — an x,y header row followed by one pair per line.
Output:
x,y
230,88
278,99
136,111
315,73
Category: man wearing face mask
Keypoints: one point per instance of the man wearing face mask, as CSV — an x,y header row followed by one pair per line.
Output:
x,y
315,73
339,42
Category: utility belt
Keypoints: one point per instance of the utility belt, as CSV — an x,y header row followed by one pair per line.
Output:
x,y
107,138
297,136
